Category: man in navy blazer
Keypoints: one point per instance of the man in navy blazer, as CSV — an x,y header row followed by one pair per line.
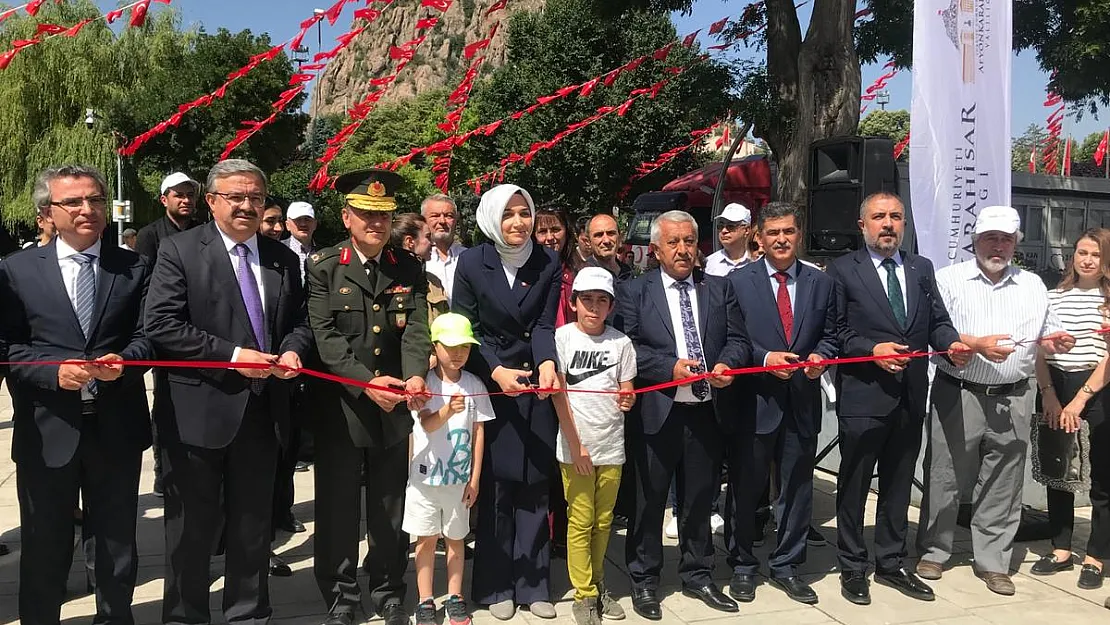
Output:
x,y
887,304
790,312
78,426
681,323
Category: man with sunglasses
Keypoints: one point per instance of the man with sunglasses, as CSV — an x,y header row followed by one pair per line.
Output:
x,y
83,425
734,232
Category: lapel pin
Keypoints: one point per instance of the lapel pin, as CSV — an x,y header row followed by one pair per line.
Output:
x,y
277,265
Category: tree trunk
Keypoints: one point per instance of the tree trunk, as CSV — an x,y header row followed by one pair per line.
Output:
x,y
818,83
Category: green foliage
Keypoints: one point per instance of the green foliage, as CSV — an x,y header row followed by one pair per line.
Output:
x,y
1086,150
1021,147
894,125
133,80
567,43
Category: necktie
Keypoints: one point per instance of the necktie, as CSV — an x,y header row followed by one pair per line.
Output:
x,y
372,272
251,297
690,333
85,298
894,292
786,314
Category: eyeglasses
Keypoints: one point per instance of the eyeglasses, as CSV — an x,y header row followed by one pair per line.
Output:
x,y
730,226
96,202
239,198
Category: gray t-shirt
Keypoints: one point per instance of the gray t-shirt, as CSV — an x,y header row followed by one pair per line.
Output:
x,y
597,363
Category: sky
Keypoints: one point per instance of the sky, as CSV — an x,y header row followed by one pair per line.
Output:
x,y
281,18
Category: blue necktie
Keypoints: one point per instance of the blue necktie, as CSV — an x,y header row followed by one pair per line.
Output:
x,y
85,298
690,333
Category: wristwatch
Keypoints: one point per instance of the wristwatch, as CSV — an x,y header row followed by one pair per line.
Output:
x,y
1087,389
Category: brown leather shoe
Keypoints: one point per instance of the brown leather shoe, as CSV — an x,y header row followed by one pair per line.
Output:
x,y
929,570
999,583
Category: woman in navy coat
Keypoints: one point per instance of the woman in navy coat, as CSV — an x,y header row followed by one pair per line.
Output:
x,y
509,289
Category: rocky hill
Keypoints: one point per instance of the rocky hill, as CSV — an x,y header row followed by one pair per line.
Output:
x,y
438,62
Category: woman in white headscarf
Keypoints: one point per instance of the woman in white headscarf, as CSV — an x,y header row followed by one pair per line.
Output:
x,y
509,289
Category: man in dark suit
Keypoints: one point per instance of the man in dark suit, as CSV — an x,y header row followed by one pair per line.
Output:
x,y
369,311
179,196
888,305
790,311
78,425
680,323
222,293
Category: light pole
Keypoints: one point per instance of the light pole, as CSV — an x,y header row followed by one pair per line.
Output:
x,y
121,209
883,98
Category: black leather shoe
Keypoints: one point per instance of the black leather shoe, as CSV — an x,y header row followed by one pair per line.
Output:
x,y
712,596
1049,565
394,614
853,585
646,603
742,587
1090,577
796,589
340,618
278,567
4,550
907,583
290,524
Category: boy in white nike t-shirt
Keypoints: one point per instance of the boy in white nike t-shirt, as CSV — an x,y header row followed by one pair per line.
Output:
x,y
447,443
596,357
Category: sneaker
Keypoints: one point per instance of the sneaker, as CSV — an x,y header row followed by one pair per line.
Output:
x,y
671,530
457,612
814,538
426,612
585,612
717,524
607,606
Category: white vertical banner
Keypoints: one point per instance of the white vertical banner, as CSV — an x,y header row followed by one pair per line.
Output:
x,y
960,120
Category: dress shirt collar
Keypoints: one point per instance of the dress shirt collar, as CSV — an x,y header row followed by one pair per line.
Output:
x,y
362,257
229,244
452,252
878,260
739,262
791,271
668,281
1010,274
65,250
299,247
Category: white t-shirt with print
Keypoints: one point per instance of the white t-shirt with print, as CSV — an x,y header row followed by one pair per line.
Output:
x,y
443,457
598,363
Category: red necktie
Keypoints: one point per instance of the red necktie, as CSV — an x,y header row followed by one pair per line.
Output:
x,y
785,313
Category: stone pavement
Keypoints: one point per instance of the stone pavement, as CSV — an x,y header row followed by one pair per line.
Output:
x,y
961,598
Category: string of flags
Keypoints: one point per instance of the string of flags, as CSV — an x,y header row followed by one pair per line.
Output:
x,y
647,167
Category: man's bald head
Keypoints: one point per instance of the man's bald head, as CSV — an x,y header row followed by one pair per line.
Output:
x,y
605,238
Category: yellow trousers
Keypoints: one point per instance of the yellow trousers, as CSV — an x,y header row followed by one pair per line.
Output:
x,y
590,501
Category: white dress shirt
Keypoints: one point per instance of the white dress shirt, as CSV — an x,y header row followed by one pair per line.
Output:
x,y
719,264
682,393
256,269
70,268
899,271
362,258
444,268
1017,306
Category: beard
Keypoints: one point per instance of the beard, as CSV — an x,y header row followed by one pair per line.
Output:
x,y
880,245
993,265
443,238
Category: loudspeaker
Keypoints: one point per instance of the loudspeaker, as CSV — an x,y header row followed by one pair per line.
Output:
x,y
842,172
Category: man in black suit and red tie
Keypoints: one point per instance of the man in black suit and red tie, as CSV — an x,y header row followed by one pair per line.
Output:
x,y
888,305
78,426
790,314
220,292
681,324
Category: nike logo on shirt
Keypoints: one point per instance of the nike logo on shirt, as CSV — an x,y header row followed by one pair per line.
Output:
x,y
574,378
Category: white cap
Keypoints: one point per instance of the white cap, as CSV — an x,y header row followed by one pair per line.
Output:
x,y
593,279
300,209
736,213
997,219
175,179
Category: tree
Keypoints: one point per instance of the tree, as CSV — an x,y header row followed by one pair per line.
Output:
x,y
570,42
894,125
1086,150
133,80
1030,142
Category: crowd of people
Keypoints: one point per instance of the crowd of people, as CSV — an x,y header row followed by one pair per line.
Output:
x,y
526,391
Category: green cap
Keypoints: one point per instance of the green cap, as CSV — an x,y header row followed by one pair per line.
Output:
x,y
452,330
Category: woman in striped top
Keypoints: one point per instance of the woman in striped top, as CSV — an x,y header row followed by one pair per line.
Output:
x,y
1071,386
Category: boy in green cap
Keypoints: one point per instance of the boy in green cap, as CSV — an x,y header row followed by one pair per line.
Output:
x,y
447,443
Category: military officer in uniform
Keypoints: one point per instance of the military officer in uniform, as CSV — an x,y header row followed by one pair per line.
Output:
x,y
368,309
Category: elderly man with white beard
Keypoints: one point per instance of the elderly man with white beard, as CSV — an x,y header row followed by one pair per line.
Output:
x,y
979,416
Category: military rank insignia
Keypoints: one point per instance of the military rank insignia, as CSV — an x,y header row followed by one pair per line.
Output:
x,y
345,256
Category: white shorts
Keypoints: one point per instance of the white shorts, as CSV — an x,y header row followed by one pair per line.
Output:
x,y
436,511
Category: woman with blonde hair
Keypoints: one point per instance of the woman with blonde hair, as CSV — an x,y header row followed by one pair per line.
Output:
x,y
1071,390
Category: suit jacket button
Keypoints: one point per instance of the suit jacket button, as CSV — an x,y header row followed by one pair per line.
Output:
x,y
377,372
527,335
525,365
346,308
377,307
377,351
377,329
